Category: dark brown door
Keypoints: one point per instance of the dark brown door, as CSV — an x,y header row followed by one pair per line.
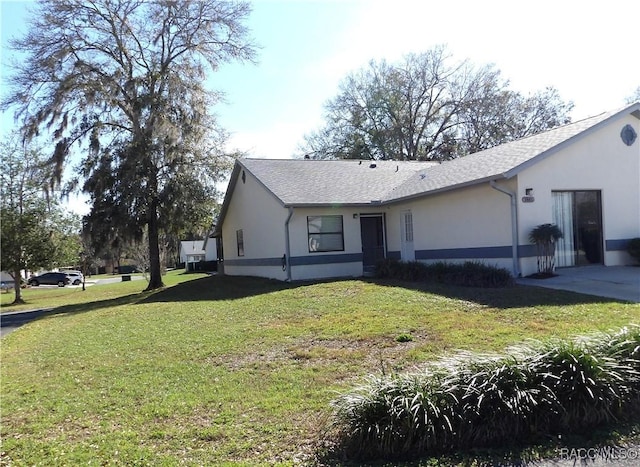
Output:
x,y
372,233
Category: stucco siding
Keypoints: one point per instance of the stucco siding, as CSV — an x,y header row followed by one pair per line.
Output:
x,y
347,263
261,218
600,161
472,223
211,252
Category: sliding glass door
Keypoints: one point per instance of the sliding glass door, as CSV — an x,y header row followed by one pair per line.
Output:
x,y
579,216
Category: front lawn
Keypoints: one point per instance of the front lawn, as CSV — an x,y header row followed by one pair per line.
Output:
x,y
220,370
52,296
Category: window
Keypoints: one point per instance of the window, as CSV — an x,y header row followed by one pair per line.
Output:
x,y
408,227
325,233
240,241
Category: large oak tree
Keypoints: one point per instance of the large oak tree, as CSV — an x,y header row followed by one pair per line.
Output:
x,y
428,107
124,81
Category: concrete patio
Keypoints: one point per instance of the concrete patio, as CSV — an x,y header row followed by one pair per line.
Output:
x,y
619,282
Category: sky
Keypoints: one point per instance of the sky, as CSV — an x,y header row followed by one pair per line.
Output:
x,y
588,51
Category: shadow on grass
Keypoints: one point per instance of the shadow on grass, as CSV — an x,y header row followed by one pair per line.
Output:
x,y
214,288
517,296
19,318
221,288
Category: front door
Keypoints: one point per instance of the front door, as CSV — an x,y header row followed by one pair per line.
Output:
x,y
372,234
578,214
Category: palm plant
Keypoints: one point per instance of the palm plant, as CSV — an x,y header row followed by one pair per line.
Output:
x,y
545,237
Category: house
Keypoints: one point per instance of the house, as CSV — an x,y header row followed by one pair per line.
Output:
x,y
194,252
307,219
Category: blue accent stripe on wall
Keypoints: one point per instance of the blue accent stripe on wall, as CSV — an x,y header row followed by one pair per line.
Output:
x,y
326,259
254,262
617,245
524,251
527,251
297,260
505,251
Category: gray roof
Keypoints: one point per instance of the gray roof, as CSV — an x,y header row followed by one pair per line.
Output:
x,y
192,246
503,161
297,182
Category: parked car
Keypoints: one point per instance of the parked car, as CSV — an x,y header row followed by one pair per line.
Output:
x,y
75,276
50,278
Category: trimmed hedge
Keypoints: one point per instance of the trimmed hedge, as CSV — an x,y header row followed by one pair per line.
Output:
x,y
470,273
467,401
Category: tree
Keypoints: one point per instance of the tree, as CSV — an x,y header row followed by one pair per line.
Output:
x,y
428,107
124,81
65,228
635,97
26,239
497,115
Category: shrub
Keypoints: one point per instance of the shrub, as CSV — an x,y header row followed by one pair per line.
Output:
x,y
633,248
470,273
537,390
545,237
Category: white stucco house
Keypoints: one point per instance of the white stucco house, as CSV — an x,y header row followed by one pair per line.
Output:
x,y
306,219
196,251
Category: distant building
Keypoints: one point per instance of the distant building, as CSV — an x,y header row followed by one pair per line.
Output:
x,y
195,252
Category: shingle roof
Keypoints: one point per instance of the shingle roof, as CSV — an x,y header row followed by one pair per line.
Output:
x,y
501,161
298,182
192,246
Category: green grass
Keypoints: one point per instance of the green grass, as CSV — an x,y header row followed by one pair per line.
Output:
x,y
51,297
228,371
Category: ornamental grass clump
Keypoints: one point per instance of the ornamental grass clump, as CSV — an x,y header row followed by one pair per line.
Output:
x,y
534,391
392,416
498,401
589,389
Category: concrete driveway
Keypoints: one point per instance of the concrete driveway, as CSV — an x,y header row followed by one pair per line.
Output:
x,y
619,282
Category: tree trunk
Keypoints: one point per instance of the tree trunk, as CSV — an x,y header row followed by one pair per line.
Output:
x,y
155,271
17,289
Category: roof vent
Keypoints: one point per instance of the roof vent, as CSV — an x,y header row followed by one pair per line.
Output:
x,y
372,166
423,176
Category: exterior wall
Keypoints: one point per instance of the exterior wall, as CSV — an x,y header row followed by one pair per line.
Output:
x,y
599,161
210,252
310,265
469,224
261,217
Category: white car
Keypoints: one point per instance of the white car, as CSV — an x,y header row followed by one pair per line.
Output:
x,y
76,277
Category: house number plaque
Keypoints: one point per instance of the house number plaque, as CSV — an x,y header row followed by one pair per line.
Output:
x,y
528,199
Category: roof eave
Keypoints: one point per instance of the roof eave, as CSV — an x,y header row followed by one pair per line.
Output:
x,y
444,189
333,205
227,199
